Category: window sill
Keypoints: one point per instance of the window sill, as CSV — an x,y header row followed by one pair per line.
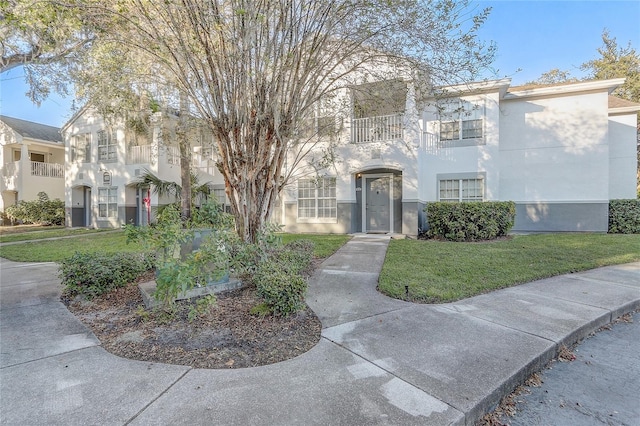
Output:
x,y
460,143
317,220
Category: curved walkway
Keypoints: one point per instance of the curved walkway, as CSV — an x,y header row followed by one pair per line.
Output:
x,y
380,361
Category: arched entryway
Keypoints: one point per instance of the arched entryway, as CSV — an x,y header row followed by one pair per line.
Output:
x,y
379,201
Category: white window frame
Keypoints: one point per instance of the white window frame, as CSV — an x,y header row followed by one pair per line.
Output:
x,y
107,145
317,200
81,148
463,116
462,188
108,197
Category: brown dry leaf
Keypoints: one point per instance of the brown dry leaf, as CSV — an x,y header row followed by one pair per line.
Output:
x,y
534,381
565,354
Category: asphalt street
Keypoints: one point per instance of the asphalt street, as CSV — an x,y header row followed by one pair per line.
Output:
x,y
600,387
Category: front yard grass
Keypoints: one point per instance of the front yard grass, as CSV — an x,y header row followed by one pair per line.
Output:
x,y
58,250
324,244
113,242
438,272
10,234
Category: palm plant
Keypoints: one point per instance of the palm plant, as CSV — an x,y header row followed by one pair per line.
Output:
x,y
200,192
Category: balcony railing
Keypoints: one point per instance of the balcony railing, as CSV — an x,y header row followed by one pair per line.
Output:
x,y
203,163
141,154
173,155
51,170
377,129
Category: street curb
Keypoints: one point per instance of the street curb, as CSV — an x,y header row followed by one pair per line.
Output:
x,y
491,401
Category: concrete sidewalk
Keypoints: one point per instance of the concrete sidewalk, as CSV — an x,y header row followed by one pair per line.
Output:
x,y
380,361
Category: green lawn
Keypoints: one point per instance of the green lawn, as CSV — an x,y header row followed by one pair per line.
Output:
x,y
57,250
18,233
325,244
434,271
438,271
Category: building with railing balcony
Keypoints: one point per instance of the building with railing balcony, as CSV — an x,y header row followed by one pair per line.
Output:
x,y
32,159
559,152
106,160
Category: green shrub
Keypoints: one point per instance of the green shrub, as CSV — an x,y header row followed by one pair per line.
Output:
x,y
279,281
93,274
188,256
624,216
282,291
470,221
42,211
294,257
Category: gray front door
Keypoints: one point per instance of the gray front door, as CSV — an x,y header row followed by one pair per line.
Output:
x,y
378,206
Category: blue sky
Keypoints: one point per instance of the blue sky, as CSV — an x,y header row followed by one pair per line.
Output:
x,y
533,36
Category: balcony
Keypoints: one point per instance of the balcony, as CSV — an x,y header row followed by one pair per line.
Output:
x,y
141,154
48,170
383,128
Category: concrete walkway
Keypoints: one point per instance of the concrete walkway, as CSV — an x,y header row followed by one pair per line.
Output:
x,y
380,361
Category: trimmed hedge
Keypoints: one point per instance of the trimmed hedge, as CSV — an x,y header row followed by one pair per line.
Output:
x,y
624,216
93,274
470,221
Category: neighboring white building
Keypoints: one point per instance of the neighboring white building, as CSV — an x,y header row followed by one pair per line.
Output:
x,y
105,160
32,159
561,152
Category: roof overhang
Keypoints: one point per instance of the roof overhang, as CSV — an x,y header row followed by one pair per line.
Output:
x,y
564,89
473,88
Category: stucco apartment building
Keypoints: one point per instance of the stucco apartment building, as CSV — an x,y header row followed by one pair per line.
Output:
x,y
104,163
32,159
560,152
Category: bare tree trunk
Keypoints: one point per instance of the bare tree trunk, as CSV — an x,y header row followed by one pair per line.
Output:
x,y
252,185
185,158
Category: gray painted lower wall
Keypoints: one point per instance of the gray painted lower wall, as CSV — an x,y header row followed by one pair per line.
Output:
x,y
567,217
410,218
342,226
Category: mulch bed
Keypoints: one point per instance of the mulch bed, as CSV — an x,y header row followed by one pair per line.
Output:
x,y
226,335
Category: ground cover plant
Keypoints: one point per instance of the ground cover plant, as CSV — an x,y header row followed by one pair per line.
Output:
x,y
429,271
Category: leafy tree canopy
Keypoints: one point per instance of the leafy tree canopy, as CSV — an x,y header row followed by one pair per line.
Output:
x,y
615,62
253,70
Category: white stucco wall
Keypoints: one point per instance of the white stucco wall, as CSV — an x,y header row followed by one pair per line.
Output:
x,y
123,176
622,156
554,149
481,158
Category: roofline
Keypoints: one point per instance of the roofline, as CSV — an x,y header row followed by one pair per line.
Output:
x,y
476,87
80,111
624,110
593,85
